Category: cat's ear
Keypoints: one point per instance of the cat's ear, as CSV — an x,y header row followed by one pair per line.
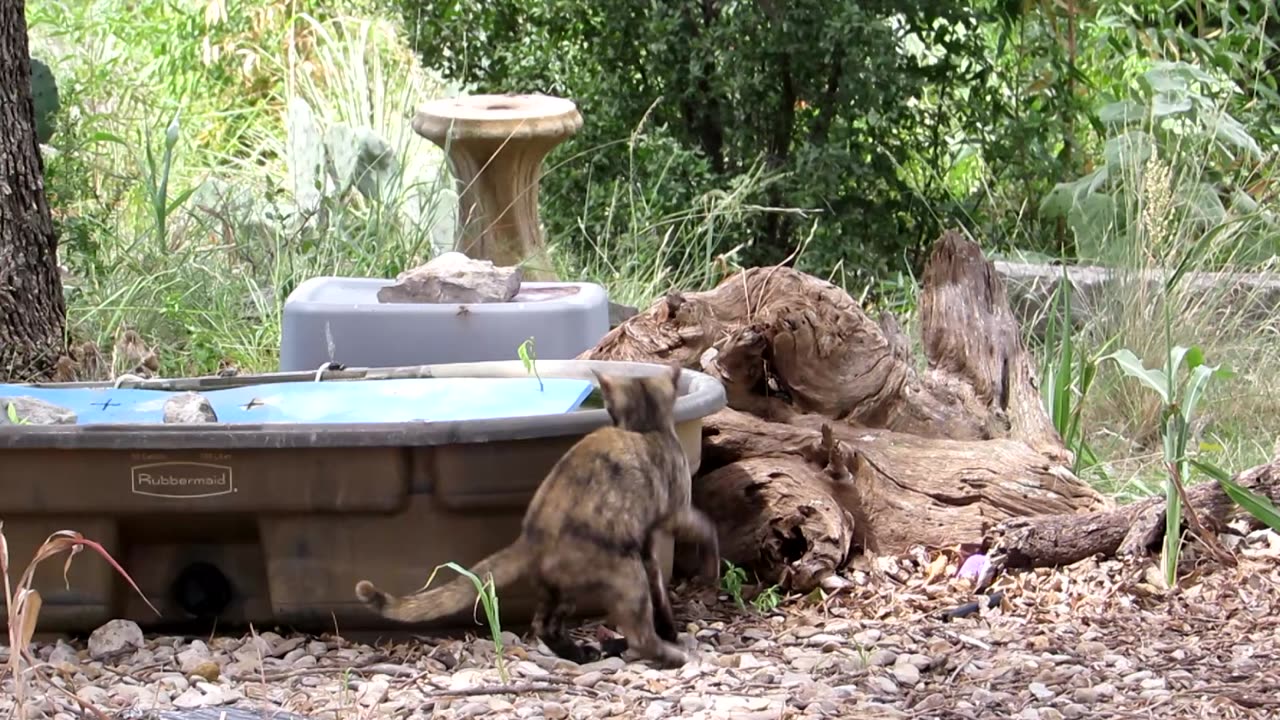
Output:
x,y
611,392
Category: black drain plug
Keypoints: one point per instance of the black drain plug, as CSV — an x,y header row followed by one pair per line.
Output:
x,y
202,590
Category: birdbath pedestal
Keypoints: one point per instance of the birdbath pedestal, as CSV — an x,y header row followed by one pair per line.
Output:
x,y
495,145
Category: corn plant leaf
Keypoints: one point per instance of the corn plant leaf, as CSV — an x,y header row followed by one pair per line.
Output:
x,y
1153,378
1193,356
1200,378
1259,506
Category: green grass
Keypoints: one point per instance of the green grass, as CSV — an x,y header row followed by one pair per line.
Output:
x,y
195,239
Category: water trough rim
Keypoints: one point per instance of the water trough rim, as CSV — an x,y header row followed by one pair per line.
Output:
x,y
703,396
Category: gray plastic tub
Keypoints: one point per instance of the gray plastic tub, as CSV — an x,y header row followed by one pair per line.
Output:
x,y
285,518
564,319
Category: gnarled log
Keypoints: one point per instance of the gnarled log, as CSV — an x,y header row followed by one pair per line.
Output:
x,y
833,441
1134,530
794,499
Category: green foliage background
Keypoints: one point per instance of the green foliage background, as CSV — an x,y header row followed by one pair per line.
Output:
x,y
890,120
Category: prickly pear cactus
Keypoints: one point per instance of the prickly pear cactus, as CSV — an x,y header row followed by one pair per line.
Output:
x,y
339,142
360,157
44,94
306,156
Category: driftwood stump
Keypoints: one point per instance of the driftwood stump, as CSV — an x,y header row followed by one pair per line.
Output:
x,y
834,442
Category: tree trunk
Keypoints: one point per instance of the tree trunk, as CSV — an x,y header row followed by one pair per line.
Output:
x,y
834,442
32,309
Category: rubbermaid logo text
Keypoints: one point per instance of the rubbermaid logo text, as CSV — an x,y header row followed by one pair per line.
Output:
x,y
182,480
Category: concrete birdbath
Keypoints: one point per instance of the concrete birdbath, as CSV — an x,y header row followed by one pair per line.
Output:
x,y
495,146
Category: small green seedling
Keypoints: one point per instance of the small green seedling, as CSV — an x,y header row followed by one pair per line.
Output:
x,y
530,359
12,411
488,597
732,581
767,600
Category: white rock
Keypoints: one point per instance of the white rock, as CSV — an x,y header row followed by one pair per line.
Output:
x,y
141,696
906,674
1041,691
609,664
692,704
194,654
472,709
657,709
530,669
204,695
189,699
453,277
62,652
465,679
373,692
188,408
93,695
883,684
116,636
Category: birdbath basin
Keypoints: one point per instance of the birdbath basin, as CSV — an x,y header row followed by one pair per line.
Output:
x,y
495,145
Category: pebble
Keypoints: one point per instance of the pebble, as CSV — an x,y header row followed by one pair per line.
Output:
x,y
1041,691
883,684
93,695
472,709
906,674
883,657
114,637
867,637
920,661
692,704
608,664
658,709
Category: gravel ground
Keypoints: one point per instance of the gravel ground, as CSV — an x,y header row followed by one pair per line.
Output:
x,y
1099,640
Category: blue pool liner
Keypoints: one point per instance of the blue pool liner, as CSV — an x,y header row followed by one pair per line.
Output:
x,y
362,401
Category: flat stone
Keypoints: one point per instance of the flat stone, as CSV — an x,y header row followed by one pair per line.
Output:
x,y
34,411
1041,691
453,277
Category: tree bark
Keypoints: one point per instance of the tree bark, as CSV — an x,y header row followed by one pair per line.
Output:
x,y
834,442
32,308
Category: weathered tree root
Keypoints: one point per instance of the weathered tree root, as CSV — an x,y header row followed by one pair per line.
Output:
x,y
1135,530
833,441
